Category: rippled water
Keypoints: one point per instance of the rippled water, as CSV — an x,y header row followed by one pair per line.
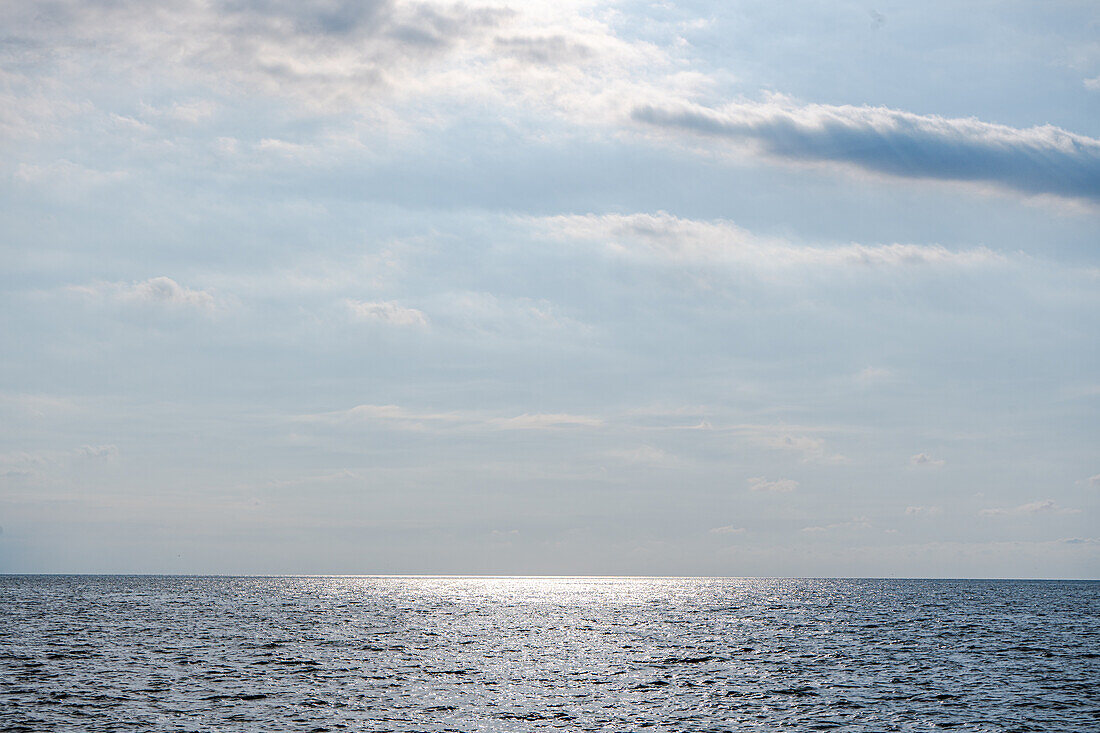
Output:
x,y
467,654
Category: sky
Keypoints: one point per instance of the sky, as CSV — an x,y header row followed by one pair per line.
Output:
x,y
651,288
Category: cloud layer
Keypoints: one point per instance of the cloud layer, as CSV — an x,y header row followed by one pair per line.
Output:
x,y
664,235
1035,160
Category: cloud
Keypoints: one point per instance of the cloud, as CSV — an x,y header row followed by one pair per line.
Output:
x,y
98,452
43,458
540,421
873,374
923,460
728,529
781,486
1094,481
1093,83
923,511
411,419
719,240
36,405
515,317
854,523
333,56
327,53
1035,160
550,50
67,174
811,449
643,454
154,291
1046,506
386,311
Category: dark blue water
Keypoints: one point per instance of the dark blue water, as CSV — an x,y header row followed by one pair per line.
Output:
x,y
453,654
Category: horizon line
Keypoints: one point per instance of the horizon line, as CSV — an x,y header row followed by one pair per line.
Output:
x,y
480,576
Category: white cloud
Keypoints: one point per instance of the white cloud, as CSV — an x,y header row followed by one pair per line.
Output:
x,y
157,290
1093,83
780,486
1036,160
923,460
192,112
728,529
386,311
359,55
66,174
41,458
811,449
718,240
1046,506
98,452
515,317
539,421
36,405
411,419
873,374
643,454
923,511
1094,481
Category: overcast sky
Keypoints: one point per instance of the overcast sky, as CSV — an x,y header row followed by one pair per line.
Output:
x,y
723,288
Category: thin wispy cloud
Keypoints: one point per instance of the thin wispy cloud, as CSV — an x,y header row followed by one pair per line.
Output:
x,y
643,454
667,236
727,530
779,486
1036,160
160,291
413,419
1045,506
809,448
545,421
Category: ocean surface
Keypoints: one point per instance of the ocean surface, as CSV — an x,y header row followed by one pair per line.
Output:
x,y
99,653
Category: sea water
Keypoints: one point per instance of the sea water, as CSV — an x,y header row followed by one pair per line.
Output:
x,y
115,653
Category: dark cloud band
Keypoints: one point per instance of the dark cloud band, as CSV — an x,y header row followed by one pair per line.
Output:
x,y
1037,160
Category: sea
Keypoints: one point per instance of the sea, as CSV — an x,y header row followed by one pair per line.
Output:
x,y
171,653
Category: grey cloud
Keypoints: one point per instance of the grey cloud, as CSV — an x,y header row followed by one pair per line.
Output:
x,y
1036,160
544,50
327,51
432,28
339,17
418,24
